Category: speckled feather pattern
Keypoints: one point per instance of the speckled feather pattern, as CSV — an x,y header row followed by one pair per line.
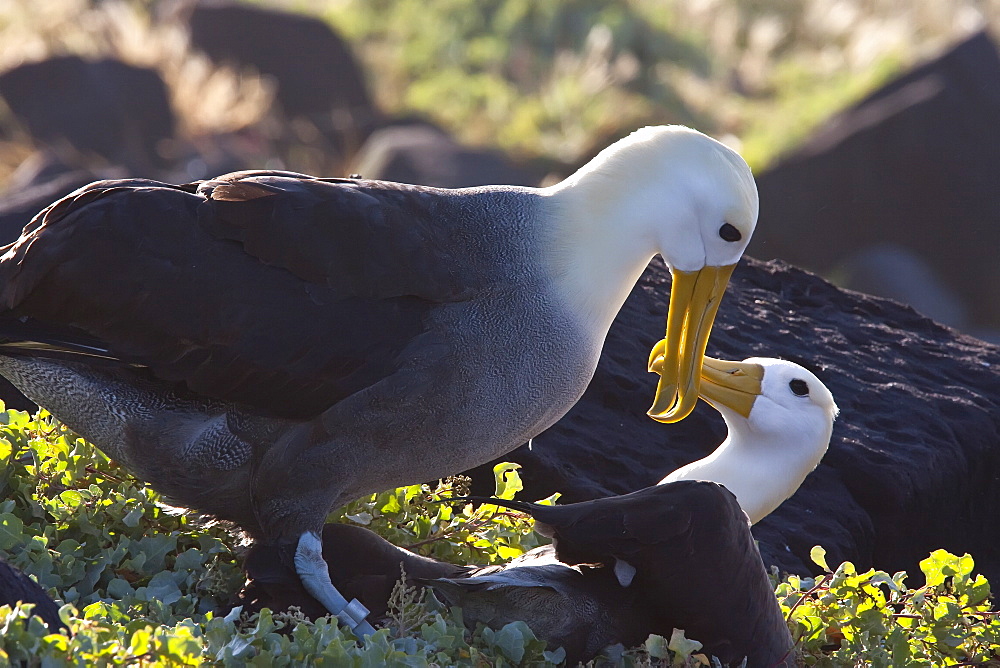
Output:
x,y
293,336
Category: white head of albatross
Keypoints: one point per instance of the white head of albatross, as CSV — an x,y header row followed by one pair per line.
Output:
x,y
780,418
665,190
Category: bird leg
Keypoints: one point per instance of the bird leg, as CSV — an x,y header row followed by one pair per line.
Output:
x,y
315,576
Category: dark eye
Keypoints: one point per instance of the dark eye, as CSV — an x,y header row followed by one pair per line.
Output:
x,y
730,233
799,387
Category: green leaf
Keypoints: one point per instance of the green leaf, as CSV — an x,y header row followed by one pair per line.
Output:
x,y
512,638
682,646
141,641
162,588
556,657
392,505
189,560
657,647
153,550
119,589
508,482
362,518
978,592
818,556
933,567
508,553
964,565
133,517
11,532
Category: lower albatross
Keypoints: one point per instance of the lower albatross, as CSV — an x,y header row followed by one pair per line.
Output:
x,y
681,550
780,418
266,346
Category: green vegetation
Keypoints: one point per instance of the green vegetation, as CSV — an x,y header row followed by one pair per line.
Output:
x,y
846,618
141,582
535,78
560,79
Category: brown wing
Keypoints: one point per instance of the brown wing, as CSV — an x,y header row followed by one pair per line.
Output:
x,y
597,531
278,291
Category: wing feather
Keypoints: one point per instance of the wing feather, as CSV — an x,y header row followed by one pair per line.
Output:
x,y
281,292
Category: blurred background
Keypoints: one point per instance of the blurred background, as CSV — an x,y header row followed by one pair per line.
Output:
x,y
873,126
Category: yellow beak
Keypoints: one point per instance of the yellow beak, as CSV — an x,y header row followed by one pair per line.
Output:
x,y
694,301
735,385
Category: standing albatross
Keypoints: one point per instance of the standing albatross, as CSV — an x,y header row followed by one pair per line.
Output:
x,y
267,346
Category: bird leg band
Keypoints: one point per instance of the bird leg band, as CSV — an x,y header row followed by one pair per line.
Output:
x,y
313,571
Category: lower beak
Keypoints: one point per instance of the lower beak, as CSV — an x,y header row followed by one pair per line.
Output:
x,y
694,301
735,385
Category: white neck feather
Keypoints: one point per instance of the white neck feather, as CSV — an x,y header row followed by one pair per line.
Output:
x,y
659,190
597,249
762,471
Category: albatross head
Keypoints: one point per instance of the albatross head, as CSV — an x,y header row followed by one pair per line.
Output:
x,y
705,239
672,191
780,418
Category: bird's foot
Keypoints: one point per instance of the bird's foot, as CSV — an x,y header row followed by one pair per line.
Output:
x,y
315,576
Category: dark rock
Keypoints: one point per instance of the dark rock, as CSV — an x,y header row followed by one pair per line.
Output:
x,y
118,112
913,464
915,164
38,168
316,75
425,155
893,271
16,586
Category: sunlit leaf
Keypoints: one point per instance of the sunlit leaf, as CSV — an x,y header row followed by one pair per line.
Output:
x,y
818,556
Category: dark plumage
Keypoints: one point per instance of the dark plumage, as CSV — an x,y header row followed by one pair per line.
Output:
x,y
267,346
582,610
687,551
16,587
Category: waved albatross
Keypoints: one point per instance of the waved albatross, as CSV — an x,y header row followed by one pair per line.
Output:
x,y
780,419
667,556
266,346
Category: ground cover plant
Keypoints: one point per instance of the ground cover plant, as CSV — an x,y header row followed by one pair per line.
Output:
x,y
142,583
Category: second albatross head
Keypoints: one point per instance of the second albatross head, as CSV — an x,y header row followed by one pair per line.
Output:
x,y
780,419
670,191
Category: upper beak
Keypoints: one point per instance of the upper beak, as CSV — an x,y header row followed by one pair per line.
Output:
x,y
735,385
694,301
